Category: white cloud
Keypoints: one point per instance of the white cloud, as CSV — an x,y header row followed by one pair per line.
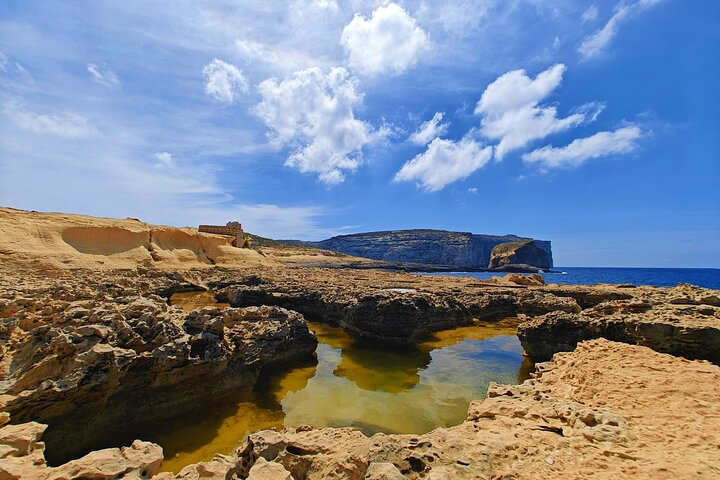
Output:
x,y
459,18
164,159
429,130
272,221
323,4
590,14
512,114
67,125
103,75
444,162
224,81
601,144
14,70
390,42
596,42
313,112
593,45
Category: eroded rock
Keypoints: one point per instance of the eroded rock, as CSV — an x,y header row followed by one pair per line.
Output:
x,y
130,357
22,455
606,410
685,322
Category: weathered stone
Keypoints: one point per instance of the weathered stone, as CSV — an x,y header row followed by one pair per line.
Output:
x,y
143,366
691,330
264,470
383,471
221,467
606,410
22,455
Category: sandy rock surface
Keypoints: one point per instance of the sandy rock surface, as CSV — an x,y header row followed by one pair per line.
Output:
x,y
61,241
683,321
606,410
22,457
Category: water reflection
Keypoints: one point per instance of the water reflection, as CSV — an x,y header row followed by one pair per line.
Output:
x,y
374,388
189,301
402,390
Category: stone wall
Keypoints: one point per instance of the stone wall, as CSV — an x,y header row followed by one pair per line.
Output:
x,y
231,229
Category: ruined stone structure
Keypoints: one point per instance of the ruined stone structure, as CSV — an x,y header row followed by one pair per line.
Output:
x,y
231,229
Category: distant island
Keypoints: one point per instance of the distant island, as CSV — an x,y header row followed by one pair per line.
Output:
x,y
459,250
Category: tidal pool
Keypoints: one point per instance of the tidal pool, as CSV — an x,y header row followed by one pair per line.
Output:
x,y
374,388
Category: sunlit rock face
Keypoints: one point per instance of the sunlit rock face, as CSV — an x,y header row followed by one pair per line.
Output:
x,y
519,254
683,322
125,357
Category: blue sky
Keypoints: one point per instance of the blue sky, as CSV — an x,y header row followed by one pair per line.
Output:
x,y
591,124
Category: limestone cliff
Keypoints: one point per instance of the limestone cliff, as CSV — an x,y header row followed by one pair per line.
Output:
x,y
433,247
523,252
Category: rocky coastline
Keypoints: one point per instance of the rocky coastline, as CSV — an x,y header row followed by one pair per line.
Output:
x,y
630,389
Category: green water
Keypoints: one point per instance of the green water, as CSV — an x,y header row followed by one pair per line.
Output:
x,y
377,389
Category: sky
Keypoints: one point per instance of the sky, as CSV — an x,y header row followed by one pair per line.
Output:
x,y
595,125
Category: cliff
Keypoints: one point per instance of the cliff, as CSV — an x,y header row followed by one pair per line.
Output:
x,y
524,252
462,250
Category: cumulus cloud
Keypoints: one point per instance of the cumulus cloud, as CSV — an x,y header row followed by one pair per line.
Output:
x,y
576,153
444,162
512,114
103,75
224,81
312,112
66,125
593,45
429,130
389,42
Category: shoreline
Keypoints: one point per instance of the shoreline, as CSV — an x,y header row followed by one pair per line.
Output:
x,y
94,345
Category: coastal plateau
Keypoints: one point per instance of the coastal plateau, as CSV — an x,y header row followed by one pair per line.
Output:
x,y
459,250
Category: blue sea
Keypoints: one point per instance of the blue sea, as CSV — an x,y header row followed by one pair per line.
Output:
x,y
657,277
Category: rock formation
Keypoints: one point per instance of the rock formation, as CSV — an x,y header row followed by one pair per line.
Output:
x,y
124,355
519,255
685,322
77,241
606,410
22,457
369,306
88,343
432,247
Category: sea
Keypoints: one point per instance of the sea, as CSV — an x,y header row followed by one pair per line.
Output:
x,y
656,277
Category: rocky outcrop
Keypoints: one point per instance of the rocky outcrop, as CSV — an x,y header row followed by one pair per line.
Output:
x,y
124,358
432,247
107,344
606,410
519,255
22,457
684,322
390,307
56,240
